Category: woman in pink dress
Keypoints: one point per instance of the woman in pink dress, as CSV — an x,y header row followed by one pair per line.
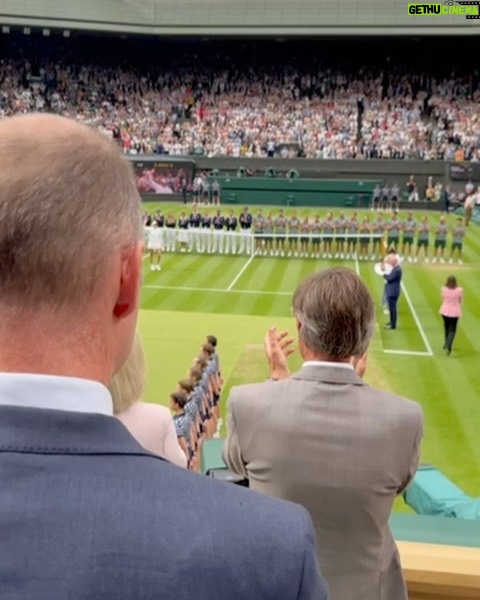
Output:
x,y
451,310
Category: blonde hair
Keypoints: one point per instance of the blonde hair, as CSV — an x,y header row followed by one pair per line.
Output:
x,y
68,201
128,384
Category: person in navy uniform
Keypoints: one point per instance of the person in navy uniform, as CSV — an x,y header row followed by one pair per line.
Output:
x,y
392,288
194,225
159,218
231,223
218,234
385,197
245,231
395,197
206,192
205,241
216,192
376,195
184,187
446,199
170,233
183,234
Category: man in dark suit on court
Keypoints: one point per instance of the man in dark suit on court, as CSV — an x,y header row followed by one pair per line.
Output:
x,y
85,512
393,281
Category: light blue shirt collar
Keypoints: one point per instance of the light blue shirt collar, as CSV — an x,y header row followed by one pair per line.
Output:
x,y
54,393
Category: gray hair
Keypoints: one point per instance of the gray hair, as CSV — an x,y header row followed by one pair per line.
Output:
x,y
336,313
68,202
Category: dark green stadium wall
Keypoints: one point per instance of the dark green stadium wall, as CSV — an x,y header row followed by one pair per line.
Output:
x,y
322,182
296,192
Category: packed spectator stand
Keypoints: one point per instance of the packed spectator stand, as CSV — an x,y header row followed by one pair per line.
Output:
x,y
162,101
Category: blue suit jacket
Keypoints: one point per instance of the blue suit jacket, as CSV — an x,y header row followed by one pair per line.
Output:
x,y
392,285
87,514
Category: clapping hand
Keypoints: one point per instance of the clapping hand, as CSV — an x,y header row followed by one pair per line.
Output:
x,y
278,347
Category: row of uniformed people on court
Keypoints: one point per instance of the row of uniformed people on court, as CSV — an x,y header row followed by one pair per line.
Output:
x,y
203,233
195,403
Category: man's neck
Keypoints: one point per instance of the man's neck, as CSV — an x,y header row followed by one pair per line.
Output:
x,y
46,353
309,356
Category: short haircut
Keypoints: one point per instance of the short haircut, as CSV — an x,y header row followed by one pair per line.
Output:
x,y
186,384
195,375
179,398
211,339
208,349
68,200
128,384
200,363
336,313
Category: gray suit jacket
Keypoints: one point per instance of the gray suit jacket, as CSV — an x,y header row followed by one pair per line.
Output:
x,y
87,514
325,439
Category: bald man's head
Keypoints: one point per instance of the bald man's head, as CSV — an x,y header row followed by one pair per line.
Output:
x,y
68,201
392,259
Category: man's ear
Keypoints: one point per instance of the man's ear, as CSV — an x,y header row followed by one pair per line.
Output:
x,y
298,325
131,261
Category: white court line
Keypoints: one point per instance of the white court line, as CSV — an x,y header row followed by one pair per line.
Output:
x,y
357,265
216,290
417,320
406,352
241,272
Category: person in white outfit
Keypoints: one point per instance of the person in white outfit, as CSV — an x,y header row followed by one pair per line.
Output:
x,y
155,246
245,231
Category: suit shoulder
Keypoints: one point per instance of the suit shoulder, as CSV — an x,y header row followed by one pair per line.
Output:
x,y
395,405
253,390
266,518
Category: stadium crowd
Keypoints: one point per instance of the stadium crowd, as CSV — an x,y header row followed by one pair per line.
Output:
x,y
253,110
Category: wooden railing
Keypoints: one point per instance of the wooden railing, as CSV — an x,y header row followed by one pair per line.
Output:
x,y
435,572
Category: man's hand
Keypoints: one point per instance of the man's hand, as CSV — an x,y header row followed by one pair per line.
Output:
x,y
278,347
360,364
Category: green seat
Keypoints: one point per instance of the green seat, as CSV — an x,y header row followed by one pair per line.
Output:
x,y
432,493
435,530
212,455
350,201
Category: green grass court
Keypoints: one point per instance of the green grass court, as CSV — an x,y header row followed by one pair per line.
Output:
x,y
238,297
